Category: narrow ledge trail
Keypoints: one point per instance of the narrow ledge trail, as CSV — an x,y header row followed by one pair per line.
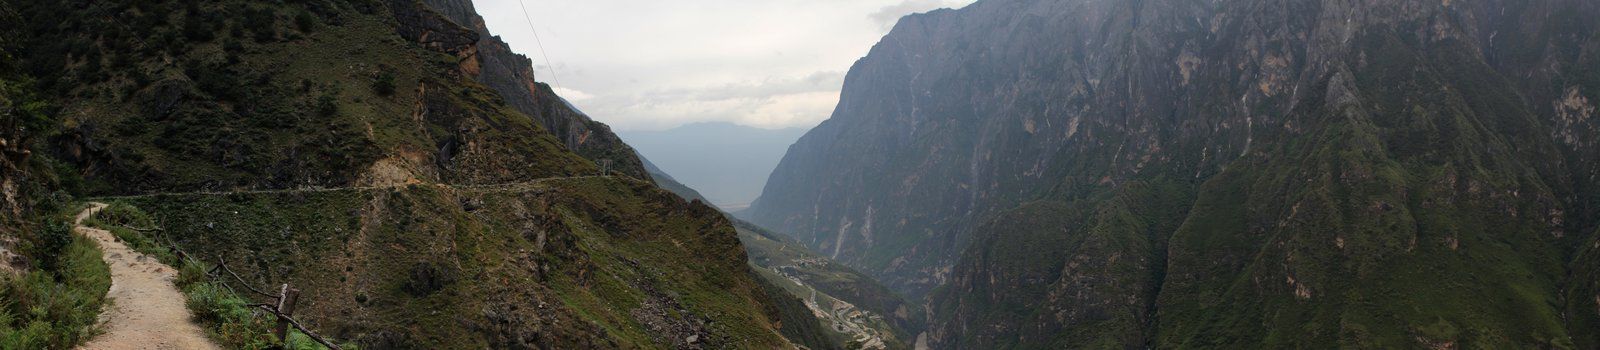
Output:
x,y
145,310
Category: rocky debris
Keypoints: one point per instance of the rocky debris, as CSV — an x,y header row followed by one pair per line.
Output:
x,y
669,322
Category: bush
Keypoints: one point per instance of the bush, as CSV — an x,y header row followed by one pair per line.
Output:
x,y
385,83
233,323
327,105
55,308
304,21
125,222
262,22
47,244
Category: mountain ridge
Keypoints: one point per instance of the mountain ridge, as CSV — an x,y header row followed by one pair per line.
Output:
x,y
1105,174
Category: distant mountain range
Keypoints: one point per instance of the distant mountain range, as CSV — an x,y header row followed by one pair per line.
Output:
x,y
728,163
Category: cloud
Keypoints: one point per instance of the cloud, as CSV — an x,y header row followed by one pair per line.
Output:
x,y
888,15
773,102
648,65
572,95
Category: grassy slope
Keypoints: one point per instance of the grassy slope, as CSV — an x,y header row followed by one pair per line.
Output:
x,y
299,106
177,96
573,263
826,281
889,313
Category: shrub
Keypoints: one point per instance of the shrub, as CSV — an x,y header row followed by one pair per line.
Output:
x,y
327,105
48,243
304,21
385,83
262,22
55,308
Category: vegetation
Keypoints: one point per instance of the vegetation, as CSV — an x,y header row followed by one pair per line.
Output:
x,y
782,262
231,319
56,305
598,254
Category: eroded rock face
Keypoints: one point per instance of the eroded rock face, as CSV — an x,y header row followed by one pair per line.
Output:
x,y
424,25
511,75
1171,173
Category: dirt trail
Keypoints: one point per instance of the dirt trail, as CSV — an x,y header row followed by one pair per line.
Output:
x,y
145,310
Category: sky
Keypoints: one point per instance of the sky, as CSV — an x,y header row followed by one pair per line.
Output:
x,y
641,65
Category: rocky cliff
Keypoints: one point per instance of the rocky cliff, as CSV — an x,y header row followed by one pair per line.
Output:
x,y
1238,173
354,150
511,75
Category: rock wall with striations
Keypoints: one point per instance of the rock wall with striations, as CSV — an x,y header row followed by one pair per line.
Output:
x,y
1237,173
511,75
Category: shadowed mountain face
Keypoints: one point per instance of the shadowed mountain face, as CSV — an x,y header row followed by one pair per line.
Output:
x,y
389,158
1239,173
727,163
511,75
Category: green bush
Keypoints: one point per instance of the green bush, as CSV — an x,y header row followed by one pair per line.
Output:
x,y
47,244
304,21
231,320
385,83
262,22
55,308
327,105
125,222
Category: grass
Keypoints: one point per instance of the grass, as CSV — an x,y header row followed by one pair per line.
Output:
x,y
435,267
56,305
55,310
228,317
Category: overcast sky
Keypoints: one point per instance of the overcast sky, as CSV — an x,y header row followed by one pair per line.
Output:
x,y
651,64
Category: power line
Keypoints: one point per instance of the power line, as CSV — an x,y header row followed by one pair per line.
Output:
x,y
540,43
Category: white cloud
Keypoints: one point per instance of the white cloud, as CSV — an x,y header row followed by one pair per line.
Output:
x,y
572,95
646,64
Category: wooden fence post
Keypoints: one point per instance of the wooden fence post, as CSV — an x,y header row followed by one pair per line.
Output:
x,y
286,299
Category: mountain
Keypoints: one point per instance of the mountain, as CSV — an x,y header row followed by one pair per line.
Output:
x,y
863,313
390,159
511,75
1227,174
671,184
856,311
728,163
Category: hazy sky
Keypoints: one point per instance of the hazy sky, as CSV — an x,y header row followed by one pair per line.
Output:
x,y
651,64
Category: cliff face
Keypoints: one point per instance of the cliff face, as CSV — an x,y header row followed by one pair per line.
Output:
x,y
511,75
1238,174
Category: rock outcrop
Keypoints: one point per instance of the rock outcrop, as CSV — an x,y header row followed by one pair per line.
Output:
x,y
511,75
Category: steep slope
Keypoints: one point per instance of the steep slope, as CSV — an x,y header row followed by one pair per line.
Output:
x,y
671,184
811,290
862,312
1234,174
729,163
511,75
52,283
561,263
350,149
